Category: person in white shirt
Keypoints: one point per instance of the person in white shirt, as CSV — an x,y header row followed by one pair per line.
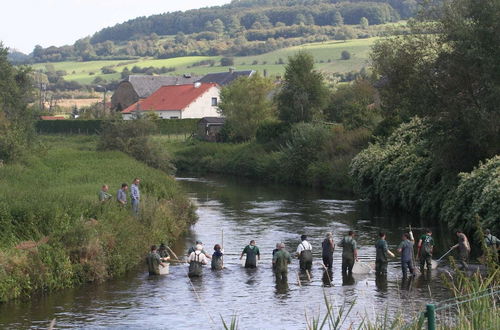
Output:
x,y
196,261
304,252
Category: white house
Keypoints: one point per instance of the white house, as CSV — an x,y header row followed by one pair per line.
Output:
x,y
196,100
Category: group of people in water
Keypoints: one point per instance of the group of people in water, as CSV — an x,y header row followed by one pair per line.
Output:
x,y
197,256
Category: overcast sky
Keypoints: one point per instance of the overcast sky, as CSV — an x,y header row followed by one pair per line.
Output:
x,y
26,23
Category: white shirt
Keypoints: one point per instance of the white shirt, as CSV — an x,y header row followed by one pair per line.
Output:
x,y
198,256
304,246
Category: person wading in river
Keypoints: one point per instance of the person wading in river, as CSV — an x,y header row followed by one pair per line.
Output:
x,y
196,261
193,248
349,252
253,254
217,258
463,249
381,258
425,248
328,247
406,250
304,252
281,260
162,251
154,261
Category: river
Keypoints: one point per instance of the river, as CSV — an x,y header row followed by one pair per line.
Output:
x,y
245,210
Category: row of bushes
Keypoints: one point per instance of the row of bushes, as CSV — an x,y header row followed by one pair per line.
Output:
x,y
399,173
89,127
55,234
308,154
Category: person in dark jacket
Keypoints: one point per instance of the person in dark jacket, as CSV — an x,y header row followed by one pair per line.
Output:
x,y
406,250
328,247
154,262
349,252
217,262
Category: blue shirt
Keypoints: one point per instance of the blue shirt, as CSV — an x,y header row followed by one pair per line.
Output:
x,y
406,247
134,192
121,196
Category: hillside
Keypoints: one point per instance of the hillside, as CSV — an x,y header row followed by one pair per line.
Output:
x,y
241,28
327,55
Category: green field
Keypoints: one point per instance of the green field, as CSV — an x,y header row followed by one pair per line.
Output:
x,y
327,55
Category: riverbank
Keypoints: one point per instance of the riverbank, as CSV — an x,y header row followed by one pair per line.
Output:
x,y
55,234
308,155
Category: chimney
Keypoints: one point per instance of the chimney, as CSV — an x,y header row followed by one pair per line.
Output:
x,y
197,84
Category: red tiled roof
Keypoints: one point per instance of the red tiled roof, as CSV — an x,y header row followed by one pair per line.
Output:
x,y
52,117
176,97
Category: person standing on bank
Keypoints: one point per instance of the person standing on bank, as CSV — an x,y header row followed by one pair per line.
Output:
x,y
492,243
349,252
253,254
104,196
196,261
281,260
217,263
328,247
154,261
304,252
425,248
463,249
135,195
381,258
121,195
406,250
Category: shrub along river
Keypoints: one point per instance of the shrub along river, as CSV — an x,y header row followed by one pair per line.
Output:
x,y
245,210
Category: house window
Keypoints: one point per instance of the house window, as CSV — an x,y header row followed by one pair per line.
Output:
x,y
214,101
175,117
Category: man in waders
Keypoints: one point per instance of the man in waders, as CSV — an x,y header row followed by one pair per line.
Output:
x,y
253,254
463,249
193,248
406,250
304,252
381,258
154,261
492,243
425,247
281,260
162,251
349,252
196,261
328,247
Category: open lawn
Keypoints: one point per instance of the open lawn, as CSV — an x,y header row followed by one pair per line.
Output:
x,y
327,55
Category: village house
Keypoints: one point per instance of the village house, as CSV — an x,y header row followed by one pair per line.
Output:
x,y
137,87
196,100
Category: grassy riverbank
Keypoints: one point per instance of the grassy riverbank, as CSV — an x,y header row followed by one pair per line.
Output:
x,y
308,155
54,234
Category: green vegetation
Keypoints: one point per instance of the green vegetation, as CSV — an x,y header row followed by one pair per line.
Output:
x,y
55,234
326,54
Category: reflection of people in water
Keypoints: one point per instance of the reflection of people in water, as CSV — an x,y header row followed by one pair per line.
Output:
x,y
348,279
327,277
381,283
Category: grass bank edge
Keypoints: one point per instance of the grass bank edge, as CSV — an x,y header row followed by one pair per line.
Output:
x,y
56,235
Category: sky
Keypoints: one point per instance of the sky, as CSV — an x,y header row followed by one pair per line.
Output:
x,y
26,23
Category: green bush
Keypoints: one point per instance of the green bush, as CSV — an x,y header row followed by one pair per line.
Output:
x,y
272,131
477,194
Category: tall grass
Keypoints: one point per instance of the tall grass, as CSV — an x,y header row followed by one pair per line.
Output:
x,y
55,234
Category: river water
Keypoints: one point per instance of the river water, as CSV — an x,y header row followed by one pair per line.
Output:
x,y
243,210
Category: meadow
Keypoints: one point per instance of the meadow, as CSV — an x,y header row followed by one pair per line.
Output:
x,y
327,55
56,234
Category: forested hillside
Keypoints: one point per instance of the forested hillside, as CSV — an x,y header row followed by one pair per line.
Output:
x,y
240,28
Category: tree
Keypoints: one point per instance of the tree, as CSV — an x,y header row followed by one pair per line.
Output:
x,y
337,20
226,61
246,104
218,26
303,94
16,122
450,76
354,106
345,55
363,22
